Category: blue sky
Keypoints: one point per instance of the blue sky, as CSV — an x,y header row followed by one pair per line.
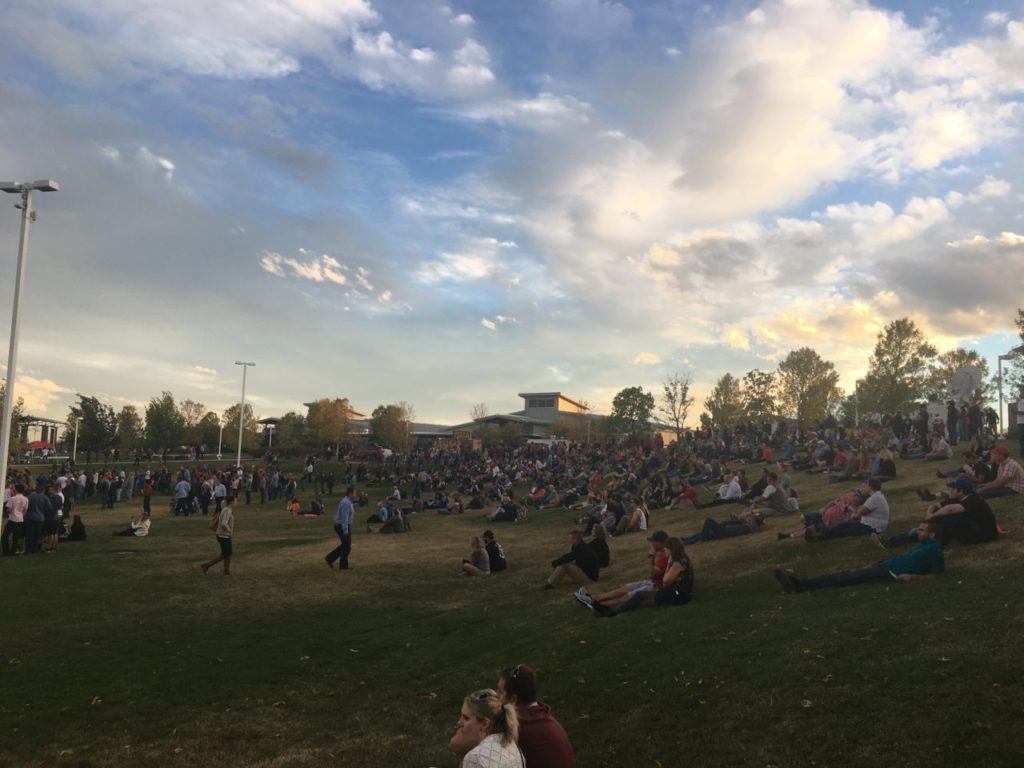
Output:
x,y
449,203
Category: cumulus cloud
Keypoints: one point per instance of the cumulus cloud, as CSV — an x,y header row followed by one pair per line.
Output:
x,y
38,393
203,370
323,269
646,358
488,324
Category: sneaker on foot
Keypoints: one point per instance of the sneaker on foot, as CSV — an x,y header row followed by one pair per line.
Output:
x,y
583,600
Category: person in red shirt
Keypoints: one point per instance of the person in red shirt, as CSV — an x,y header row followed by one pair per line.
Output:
x,y
542,738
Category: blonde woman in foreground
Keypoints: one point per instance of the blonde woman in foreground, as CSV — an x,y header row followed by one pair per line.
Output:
x,y
486,734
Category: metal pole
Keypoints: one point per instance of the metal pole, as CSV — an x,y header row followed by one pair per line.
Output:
x,y
74,450
270,443
1000,377
241,411
220,440
12,355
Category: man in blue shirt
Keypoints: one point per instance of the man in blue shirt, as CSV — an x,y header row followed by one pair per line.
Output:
x,y
343,517
38,508
924,559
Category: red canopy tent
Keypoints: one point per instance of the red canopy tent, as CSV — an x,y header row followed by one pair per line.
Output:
x,y
37,444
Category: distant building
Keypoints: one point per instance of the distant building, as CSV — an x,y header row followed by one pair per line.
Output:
x,y
540,411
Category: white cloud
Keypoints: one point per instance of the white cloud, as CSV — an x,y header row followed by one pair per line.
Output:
x,y
646,358
488,324
203,370
151,160
319,270
38,393
472,66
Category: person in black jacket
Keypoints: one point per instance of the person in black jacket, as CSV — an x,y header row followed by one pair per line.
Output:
x,y
579,563
495,553
600,546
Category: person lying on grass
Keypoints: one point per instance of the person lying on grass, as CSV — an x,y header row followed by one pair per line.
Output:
x,y
139,526
738,525
870,517
675,586
829,516
965,517
923,560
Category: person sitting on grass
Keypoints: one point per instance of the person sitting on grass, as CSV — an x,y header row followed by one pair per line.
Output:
x,y
657,564
294,508
77,531
478,563
870,517
831,515
738,525
578,564
636,521
397,523
1009,476
599,543
542,738
923,560
505,512
686,498
495,553
729,492
676,587
965,518
773,499
940,450
487,732
137,527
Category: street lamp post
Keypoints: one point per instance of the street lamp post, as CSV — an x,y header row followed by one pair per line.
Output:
x,y
1011,355
241,409
74,449
220,440
270,436
27,217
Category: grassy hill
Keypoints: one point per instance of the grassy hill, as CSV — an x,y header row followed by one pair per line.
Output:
x,y
118,652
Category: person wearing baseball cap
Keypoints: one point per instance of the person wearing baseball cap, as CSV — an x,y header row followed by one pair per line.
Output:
x,y
657,560
1009,476
964,517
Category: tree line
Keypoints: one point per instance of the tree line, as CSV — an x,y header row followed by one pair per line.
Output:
x,y
904,368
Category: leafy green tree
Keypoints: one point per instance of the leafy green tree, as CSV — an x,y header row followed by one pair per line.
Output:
x,y
807,385
207,431
759,402
391,426
290,431
192,414
165,427
898,369
724,405
632,408
129,428
17,445
327,420
675,403
97,425
250,428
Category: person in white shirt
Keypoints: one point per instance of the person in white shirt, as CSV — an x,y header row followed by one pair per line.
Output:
x,y
137,527
729,492
871,517
487,731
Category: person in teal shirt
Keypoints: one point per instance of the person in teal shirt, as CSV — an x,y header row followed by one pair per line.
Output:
x,y
923,560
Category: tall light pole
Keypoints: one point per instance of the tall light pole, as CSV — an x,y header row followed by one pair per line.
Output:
x,y
74,450
241,409
270,436
1011,355
220,440
27,217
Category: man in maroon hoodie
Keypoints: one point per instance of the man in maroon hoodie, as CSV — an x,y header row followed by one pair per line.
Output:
x,y
541,737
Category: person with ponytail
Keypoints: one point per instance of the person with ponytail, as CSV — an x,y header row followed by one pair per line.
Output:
x,y
487,732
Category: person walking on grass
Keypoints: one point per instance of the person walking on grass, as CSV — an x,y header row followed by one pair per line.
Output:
x,y
343,517
224,527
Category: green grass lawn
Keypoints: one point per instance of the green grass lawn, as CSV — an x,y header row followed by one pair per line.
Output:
x,y
118,652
